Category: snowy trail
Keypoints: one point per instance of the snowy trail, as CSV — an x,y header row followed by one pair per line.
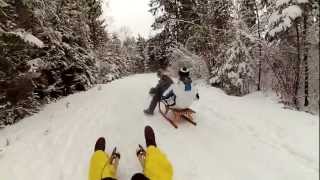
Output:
x,y
236,138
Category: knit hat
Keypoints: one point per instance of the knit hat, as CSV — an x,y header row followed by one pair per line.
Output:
x,y
184,72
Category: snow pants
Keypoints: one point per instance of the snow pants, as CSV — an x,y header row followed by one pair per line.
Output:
x,y
156,165
155,99
100,167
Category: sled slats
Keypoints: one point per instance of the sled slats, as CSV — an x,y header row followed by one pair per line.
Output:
x,y
184,114
178,115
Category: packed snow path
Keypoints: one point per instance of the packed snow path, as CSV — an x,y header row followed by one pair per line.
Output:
x,y
248,138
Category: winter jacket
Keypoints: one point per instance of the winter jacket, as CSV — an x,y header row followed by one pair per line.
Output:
x,y
164,83
100,167
182,94
157,166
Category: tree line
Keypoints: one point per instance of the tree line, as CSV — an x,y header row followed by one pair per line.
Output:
x,y
248,45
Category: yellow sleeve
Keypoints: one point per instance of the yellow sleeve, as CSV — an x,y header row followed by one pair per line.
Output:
x,y
157,166
100,167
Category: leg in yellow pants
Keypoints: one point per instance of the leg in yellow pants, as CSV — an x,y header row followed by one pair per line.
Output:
x,y
154,162
101,165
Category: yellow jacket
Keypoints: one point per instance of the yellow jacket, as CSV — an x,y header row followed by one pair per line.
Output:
x,y
100,166
157,166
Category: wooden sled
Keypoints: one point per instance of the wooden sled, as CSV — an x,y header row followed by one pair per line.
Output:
x,y
178,114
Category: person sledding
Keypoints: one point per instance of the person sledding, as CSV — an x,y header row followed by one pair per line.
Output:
x,y
102,165
164,83
154,162
182,94
178,98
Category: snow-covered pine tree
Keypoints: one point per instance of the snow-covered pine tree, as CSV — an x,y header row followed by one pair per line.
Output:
x,y
159,49
75,23
97,25
59,38
129,47
187,19
177,20
118,58
115,43
247,10
159,46
140,48
210,38
234,70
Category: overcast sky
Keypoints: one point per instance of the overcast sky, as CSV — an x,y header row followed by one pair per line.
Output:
x,y
133,14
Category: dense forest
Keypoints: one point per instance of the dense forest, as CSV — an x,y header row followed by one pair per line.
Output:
x,y
247,45
50,49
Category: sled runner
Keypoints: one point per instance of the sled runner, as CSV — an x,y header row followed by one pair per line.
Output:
x,y
178,114
141,154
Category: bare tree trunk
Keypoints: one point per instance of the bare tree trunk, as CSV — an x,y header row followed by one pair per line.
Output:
x,y
305,60
178,22
297,69
260,49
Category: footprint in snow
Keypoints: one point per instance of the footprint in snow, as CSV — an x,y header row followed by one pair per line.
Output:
x,y
67,105
1,153
46,132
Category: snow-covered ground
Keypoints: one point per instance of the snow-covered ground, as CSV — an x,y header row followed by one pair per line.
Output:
x,y
248,138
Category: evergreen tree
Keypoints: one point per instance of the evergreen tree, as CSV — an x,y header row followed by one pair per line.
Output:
x,y
179,17
66,40
140,47
98,33
286,23
159,50
115,43
213,36
248,12
234,70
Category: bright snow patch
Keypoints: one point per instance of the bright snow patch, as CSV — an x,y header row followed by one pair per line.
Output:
x,y
29,38
293,11
246,138
3,4
35,64
289,14
279,22
282,2
302,1
285,2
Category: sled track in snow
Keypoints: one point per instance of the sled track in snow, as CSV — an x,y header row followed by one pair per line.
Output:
x,y
235,138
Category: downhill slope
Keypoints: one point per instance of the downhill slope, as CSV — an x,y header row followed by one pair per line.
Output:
x,y
248,138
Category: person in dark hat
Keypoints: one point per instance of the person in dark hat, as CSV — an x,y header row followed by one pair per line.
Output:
x,y
182,94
